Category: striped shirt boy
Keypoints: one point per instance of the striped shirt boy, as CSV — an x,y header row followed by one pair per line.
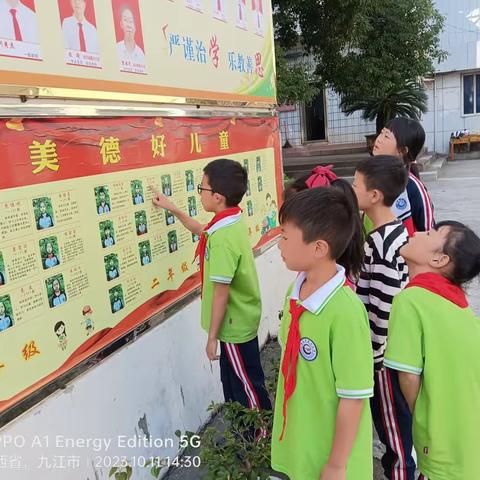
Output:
x,y
383,275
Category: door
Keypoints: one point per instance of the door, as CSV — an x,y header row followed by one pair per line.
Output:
x,y
315,118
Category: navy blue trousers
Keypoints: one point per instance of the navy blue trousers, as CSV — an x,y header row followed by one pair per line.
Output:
x,y
393,422
242,375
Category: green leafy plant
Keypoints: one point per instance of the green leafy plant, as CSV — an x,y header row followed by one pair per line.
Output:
x,y
242,450
406,100
295,81
121,473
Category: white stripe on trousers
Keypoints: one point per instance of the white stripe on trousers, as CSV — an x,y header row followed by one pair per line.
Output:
x,y
242,375
391,426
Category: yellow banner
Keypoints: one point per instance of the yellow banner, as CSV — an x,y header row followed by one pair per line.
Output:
x,y
197,49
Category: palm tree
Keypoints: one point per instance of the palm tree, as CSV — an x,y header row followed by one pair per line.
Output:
x,y
407,100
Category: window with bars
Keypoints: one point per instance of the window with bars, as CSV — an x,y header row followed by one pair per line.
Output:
x,y
471,94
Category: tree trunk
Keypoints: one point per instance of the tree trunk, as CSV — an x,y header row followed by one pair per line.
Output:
x,y
380,122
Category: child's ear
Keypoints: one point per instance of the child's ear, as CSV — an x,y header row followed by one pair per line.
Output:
x,y
376,196
439,260
322,249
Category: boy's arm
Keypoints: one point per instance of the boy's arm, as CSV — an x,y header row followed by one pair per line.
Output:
x,y
162,201
221,292
410,386
349,412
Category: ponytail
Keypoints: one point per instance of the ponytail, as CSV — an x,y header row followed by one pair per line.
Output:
x,y
352,258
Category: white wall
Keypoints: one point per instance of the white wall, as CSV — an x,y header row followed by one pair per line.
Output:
x,y
163,378
445,112
461,34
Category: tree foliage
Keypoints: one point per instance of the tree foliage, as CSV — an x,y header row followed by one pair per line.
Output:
x,y
363,46
295,82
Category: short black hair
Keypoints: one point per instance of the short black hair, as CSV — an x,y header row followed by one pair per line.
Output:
x,y
228,178
385,173
463,247
327,213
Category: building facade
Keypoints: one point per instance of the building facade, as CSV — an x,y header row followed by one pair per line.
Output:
x,y
453,92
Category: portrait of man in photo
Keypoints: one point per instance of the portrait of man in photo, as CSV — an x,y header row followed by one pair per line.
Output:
x,y
18,21
79,33
128,31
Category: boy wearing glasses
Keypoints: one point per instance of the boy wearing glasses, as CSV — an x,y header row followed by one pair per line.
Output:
x,y
231,306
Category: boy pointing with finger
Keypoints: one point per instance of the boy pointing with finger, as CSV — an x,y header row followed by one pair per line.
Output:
x,y
231,306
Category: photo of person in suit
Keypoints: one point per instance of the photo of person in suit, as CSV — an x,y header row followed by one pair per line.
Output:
x,y
18,23
79,34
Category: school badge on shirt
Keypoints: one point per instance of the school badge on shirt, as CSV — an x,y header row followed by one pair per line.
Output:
x,y
401,204
308,350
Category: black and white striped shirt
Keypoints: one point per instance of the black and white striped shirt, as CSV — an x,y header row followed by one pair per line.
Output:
x,y
383,275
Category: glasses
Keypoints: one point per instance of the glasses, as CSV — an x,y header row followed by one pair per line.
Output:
x,y
200,189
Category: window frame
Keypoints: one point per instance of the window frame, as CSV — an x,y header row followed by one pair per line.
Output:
x,y
476,108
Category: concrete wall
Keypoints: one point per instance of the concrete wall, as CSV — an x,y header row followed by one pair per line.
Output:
x,y
461,34
445,111
158,384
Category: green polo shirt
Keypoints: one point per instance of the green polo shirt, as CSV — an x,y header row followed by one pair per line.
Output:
x,y
229,260
430,336
334,362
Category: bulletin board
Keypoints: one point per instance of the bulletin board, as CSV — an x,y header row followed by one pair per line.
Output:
x,y
85,256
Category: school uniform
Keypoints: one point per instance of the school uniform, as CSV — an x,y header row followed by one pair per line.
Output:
x,y
51,261
145,260
413,207
5,322
44,221
117,305
333,361
103,208
112,274
57,300
434,333
108,242
384,274
227,258
138,199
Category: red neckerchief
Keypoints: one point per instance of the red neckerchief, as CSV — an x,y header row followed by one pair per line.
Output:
x,y
50,255
289,364
438,284
202,244
292,348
